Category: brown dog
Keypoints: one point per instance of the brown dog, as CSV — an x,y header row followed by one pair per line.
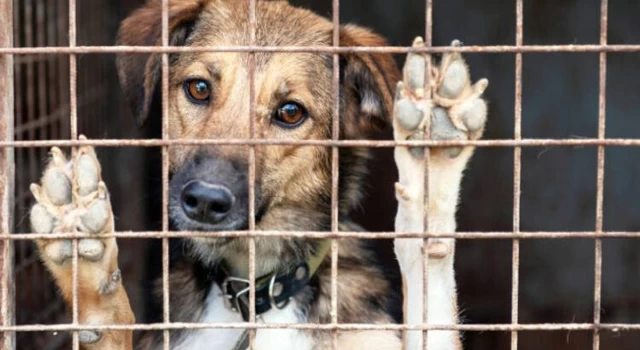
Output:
x,y
209,99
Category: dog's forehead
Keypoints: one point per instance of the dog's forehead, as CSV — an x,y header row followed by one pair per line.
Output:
x,y
277,24
226,23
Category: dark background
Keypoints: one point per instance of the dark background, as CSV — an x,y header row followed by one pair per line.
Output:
x,y
560,100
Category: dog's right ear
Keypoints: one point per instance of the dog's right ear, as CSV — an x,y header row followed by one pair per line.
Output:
x,y
140,73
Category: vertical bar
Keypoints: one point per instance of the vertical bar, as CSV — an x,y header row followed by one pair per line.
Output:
x,y
17,113
31,115
517,179
63,32
73,120
166,319
43,113
428,41
73,71
602,105
335,172
7,176
252,174
50,77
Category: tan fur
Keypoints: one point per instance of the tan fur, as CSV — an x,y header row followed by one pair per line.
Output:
x,y
296,179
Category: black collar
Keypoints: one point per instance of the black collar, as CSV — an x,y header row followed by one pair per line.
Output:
x,y
274,290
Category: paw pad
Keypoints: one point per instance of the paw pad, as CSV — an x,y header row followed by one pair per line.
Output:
x,y
458,111
57,186
409,116
89,336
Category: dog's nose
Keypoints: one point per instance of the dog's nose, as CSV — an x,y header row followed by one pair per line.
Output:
x,y
206,202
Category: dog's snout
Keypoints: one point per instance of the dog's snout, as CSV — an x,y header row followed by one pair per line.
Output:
x,y
205,202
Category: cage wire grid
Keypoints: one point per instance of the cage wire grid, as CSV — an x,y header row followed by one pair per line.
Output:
x,y
67,132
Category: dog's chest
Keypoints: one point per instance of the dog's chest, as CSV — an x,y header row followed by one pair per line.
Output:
x,y
266,339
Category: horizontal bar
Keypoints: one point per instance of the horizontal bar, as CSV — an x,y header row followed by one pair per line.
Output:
x,y
322,234
318,49
326,143
614,327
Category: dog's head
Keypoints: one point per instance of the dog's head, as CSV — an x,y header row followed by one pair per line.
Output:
x,y
209,98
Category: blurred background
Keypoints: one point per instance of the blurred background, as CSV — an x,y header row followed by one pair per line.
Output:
x,y
560,100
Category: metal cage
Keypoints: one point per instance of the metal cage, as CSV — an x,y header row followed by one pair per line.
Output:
x,y
57,78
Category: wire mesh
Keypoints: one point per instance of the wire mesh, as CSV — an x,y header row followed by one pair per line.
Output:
x,y
45,35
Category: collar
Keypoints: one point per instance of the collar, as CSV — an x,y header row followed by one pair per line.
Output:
x,y
274,290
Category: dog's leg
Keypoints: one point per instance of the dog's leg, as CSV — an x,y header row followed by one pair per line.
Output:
x,y
72,198
446,166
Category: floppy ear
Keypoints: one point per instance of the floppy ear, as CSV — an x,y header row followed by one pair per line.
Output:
x,y
368,81
139,73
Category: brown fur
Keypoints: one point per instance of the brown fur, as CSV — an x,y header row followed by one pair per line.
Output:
x,y
293,183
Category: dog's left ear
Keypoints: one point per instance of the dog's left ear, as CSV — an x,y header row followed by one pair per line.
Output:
x,y
368,83
140,73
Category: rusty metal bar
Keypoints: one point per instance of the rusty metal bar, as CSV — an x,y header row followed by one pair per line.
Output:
x,y
327,234
7,177
609,327
166,318
335,170
428,41
88,96
8,146
582,142
73,121
602,105
30,93
517,178
252,173
322,49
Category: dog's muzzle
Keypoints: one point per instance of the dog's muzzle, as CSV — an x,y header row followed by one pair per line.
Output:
x,y
210,193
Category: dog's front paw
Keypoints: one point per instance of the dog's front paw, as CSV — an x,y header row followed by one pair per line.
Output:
x,y
71,198
456,107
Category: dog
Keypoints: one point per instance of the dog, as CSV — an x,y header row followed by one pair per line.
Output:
x,y
209,186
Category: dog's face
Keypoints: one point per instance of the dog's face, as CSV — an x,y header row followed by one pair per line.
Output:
x,y
209,98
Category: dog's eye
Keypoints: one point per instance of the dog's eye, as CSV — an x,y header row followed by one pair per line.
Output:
x,y
290,115
197,90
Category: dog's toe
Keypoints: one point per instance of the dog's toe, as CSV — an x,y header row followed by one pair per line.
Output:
x,y
87,174
408,115
41,220
414,71
454,79
57,186
59,251
91,249
96,216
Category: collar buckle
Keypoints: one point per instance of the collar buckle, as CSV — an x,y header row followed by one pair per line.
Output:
x,y
231,297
